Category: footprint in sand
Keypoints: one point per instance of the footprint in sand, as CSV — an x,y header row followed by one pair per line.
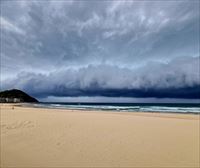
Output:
x,y
16,125
58,144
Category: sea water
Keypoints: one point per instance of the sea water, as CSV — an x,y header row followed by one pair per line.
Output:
x,y
126,107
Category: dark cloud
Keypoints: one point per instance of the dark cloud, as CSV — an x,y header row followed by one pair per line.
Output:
x,y
177,79
106,48
184,93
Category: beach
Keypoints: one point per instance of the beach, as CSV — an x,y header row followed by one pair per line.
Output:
x,y
39,137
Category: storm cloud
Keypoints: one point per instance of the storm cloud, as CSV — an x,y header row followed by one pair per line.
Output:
x,y
177,79
103,48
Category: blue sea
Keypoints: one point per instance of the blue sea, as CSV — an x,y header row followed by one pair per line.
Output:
x,y
125,107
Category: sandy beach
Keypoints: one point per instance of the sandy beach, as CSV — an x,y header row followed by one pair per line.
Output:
x,y
36,137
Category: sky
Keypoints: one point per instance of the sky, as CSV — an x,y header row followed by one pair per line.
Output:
x,y
127,51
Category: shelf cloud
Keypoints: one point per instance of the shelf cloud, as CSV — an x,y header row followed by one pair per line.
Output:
x,y
177,79
136,49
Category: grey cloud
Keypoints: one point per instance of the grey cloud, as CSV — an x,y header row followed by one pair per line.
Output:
x,y
178,79
100,48
81,33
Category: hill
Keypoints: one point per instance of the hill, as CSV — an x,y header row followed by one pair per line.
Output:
x,y
15,96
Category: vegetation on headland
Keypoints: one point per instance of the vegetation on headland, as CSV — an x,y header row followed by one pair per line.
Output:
x,y
15,96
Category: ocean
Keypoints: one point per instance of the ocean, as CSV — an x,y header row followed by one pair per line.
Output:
x,y
124,107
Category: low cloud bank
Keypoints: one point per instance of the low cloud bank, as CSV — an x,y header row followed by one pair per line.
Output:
x,y
177,79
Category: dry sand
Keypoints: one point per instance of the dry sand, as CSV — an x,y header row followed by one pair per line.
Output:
x,y
34,137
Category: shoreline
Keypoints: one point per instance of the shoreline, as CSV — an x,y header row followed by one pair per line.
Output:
x,y
39,137
29,105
